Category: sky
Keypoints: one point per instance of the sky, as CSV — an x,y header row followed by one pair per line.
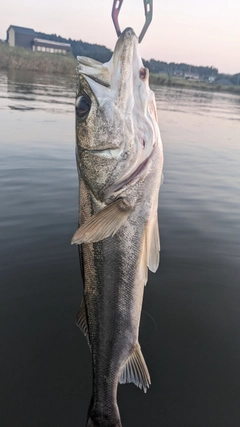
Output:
x,y
197,32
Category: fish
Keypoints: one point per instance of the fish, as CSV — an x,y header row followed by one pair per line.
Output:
x,y
119,159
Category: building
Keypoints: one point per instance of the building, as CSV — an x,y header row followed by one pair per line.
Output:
x,y
212,79
20,36
178,73
50,46
190,75
27,38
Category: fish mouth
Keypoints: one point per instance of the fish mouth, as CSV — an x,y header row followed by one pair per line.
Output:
x,y
102,74
126,38
123,81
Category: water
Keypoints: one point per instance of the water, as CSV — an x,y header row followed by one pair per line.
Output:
x,y
190,323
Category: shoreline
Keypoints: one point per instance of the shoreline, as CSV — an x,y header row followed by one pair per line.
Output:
x,y
164,80
17,58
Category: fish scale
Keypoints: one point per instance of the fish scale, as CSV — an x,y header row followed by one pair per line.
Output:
x,y
109,311
120,159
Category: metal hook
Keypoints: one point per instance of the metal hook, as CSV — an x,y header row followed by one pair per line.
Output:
x,y
115,11
148,7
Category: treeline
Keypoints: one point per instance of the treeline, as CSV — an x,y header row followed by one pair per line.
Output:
x,y
235,79
169,69
95,51
103,54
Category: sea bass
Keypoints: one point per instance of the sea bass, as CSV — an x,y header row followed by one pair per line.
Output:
x,y
119,157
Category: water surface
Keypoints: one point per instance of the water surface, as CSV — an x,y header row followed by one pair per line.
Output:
x,y
190,323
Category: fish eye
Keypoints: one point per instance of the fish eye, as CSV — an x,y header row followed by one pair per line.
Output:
x,y
83,105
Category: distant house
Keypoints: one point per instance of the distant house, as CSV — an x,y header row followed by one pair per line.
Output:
x,y
20,36
50,46
27,38
177,73
162,72
212,79
191,75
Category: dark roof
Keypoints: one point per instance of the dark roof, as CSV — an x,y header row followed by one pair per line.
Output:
x,y
22,30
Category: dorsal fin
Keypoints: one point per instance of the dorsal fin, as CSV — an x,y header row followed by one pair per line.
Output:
x,y
135,370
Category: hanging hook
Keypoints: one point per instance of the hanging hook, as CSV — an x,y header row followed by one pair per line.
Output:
x,y
115,11
148,7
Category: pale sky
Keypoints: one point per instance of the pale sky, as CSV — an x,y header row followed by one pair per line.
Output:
x,y
197,32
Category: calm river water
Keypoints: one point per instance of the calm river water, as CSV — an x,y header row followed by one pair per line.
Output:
x,y
190,331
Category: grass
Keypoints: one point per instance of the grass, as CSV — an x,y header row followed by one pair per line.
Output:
x,y
17,58
165,80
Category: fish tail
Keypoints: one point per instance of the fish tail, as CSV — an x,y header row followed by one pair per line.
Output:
x,y
91,423
98,423
100,419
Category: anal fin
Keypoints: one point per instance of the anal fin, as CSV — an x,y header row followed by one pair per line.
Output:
x,y
81,320
143,259
135,370
104,223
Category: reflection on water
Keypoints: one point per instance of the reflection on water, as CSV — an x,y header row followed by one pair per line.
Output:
x,y
190,322
219,105
49,93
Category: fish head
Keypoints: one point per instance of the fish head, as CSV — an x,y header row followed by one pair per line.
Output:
x,y
116,119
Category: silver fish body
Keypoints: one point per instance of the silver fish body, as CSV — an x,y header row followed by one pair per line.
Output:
x,y
120,159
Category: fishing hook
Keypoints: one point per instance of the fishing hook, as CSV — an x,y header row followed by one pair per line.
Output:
x,y
148,7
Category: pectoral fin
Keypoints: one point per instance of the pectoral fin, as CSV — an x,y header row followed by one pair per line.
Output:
x,y
104,223
135,370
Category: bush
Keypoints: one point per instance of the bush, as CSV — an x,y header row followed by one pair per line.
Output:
x,y
23,59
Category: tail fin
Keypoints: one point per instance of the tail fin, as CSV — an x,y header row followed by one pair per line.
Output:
x,y
91,423
110,418
99,423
